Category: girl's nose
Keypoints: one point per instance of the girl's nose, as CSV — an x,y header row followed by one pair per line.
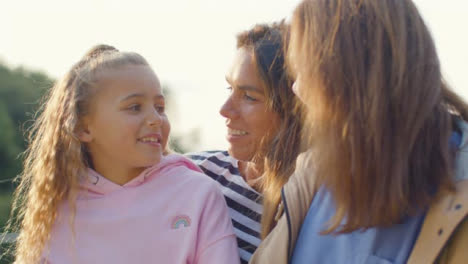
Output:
x,y
154,118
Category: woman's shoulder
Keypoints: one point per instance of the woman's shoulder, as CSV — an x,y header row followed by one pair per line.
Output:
x,y
216,163
182,172
224,169
216,156
444,229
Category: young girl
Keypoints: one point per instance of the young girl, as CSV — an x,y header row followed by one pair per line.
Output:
x,y
96,187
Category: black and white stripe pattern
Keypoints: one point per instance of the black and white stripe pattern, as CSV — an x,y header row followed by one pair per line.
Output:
x,y
245,204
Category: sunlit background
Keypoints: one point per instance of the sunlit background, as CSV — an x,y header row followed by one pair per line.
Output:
x,y
189,43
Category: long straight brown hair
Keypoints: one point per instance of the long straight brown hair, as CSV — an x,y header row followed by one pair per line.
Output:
x,y
379,114
266,41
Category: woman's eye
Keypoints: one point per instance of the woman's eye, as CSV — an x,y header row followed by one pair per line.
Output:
x,y
229,88
249,98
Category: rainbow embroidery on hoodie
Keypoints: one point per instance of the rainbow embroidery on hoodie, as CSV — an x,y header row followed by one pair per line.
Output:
x,y
180,221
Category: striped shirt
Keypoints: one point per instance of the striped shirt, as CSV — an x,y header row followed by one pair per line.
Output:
x,y
245,204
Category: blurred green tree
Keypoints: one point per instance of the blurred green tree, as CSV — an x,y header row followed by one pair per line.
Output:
x,y
20,92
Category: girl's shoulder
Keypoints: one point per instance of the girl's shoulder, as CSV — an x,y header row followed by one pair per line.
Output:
x,y
179,169
178,160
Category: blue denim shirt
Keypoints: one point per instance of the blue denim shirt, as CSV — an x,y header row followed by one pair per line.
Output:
x,y
373,246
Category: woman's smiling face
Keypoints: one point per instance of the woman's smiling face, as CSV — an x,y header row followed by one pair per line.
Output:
x,y
248,118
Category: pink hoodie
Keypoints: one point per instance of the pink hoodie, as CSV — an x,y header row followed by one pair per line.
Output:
x,y
169,214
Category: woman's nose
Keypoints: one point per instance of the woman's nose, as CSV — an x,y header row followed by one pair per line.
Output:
x,y
229,109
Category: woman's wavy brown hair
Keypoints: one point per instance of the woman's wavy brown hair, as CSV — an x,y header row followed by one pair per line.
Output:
x,y
56,159
379,114
267,45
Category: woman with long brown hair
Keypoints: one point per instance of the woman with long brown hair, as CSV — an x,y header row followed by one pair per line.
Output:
x,y
263,131
384,180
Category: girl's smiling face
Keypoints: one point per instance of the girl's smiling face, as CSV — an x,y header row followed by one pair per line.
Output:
x,y
126,129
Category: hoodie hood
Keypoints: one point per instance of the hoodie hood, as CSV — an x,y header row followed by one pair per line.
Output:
x,y
96,184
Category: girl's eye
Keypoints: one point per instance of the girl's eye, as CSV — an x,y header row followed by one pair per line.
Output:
x,y
160,108
135,108
229,88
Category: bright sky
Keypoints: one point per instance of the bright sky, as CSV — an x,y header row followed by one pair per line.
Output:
x,y
189,43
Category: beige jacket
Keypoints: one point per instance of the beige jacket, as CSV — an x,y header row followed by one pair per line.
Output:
x,y
443,238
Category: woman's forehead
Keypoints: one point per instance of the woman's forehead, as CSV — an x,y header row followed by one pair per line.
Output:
x,y
243,71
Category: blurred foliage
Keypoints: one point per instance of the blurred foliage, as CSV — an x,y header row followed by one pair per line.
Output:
x,y
179,141
20,92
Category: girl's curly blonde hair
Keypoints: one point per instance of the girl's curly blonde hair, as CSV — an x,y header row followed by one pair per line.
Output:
x,y
55,158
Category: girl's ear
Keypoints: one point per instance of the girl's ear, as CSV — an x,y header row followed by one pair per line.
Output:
x,y
83,133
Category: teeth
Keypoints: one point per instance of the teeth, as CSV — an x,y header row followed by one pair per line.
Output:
x,y
236,132
149,140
